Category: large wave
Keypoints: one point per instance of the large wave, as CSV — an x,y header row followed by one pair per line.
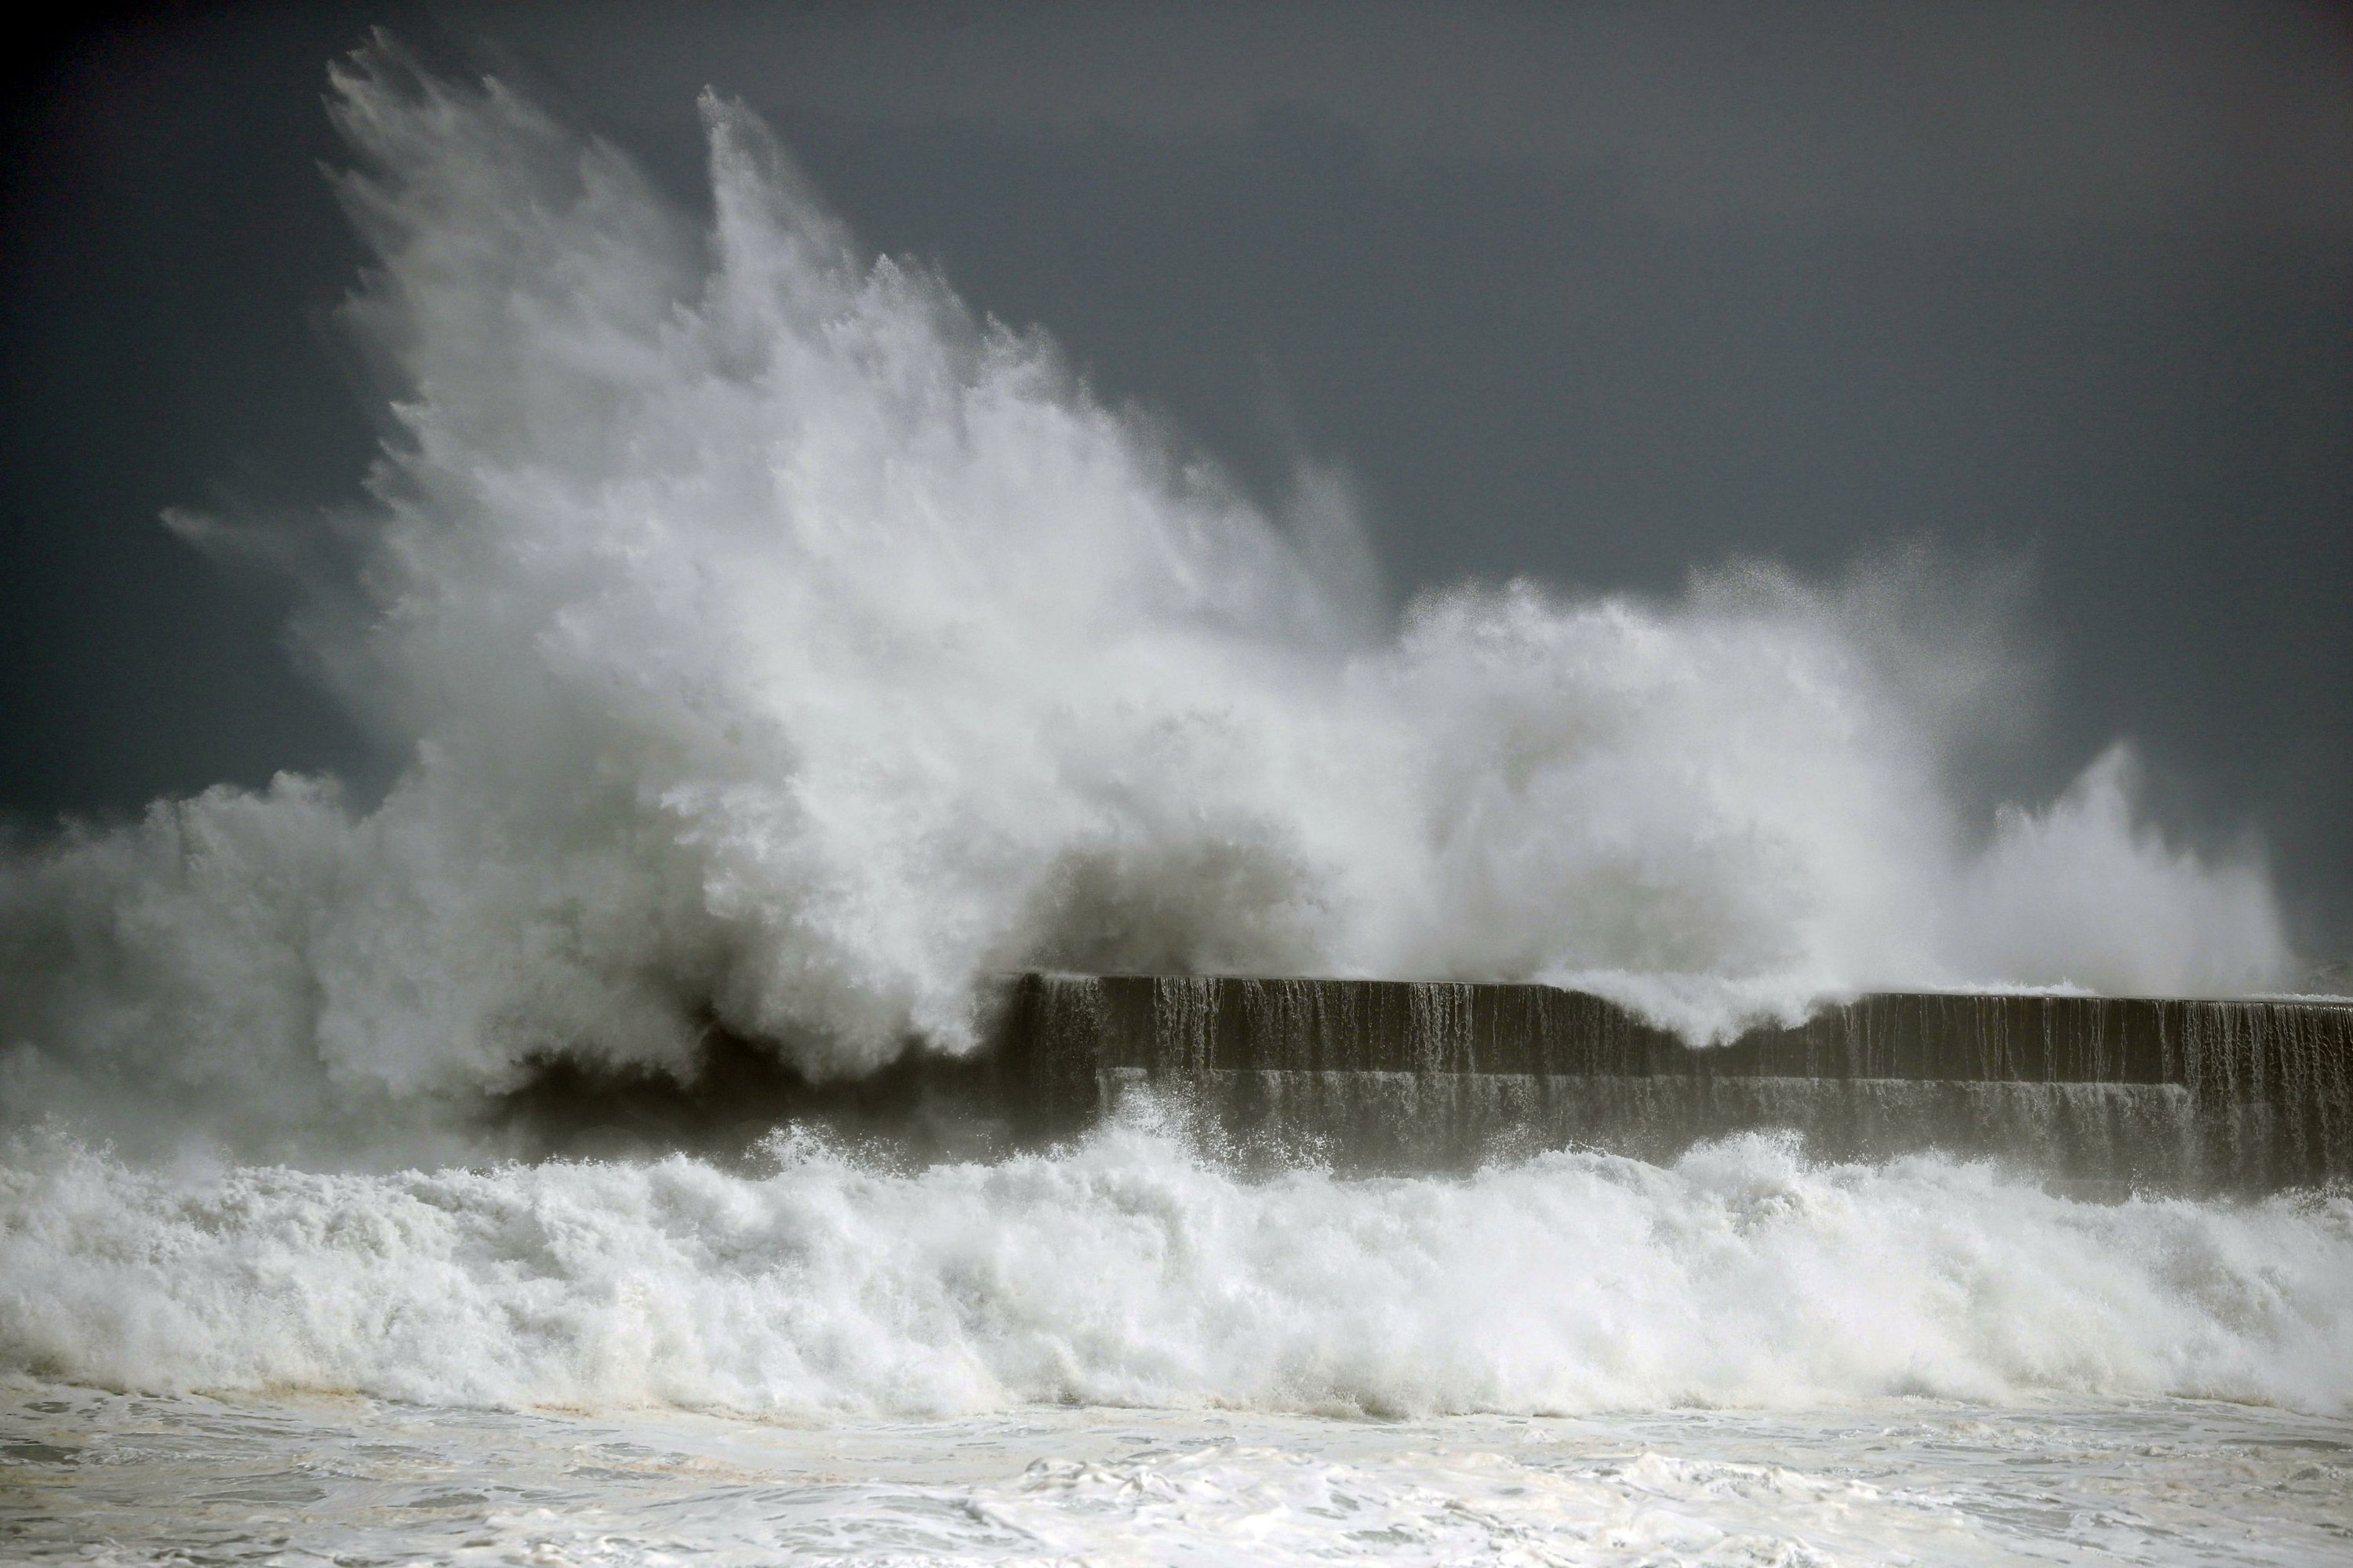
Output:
x,y
1126,1272
774,644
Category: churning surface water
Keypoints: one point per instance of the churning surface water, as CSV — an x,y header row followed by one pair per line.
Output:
x,y
774,645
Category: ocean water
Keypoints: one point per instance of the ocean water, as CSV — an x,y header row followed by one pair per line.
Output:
x,y
117,1478
1119,1351
765,640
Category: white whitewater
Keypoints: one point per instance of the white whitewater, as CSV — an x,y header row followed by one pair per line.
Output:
x,y
772,642
1120,1354
1127,1271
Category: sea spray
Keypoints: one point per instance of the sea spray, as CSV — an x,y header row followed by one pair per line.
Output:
x,y
776,646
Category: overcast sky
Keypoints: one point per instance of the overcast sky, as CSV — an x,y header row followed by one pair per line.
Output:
x,y
1596,294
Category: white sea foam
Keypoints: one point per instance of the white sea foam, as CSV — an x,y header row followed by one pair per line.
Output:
x,y
773,640
128,1479
1126,1272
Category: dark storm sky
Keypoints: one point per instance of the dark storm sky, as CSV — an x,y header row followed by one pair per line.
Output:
x,y
1596,294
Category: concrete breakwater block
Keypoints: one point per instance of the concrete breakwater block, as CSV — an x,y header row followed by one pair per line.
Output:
x,y
2140,1091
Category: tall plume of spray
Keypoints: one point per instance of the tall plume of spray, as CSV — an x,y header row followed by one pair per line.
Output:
x,y
779,644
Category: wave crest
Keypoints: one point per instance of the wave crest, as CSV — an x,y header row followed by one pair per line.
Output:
x,y
1126,1272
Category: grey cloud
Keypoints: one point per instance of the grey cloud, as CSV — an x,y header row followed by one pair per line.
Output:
x,y
1929,116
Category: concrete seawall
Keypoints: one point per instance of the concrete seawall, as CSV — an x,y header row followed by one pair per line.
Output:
x,y
2135,1091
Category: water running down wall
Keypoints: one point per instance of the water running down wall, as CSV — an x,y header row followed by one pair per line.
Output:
x,y
2140,1091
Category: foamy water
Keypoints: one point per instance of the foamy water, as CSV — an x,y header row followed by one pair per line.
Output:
x,y
771,641
129,1479
1121,1352
1126,1271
